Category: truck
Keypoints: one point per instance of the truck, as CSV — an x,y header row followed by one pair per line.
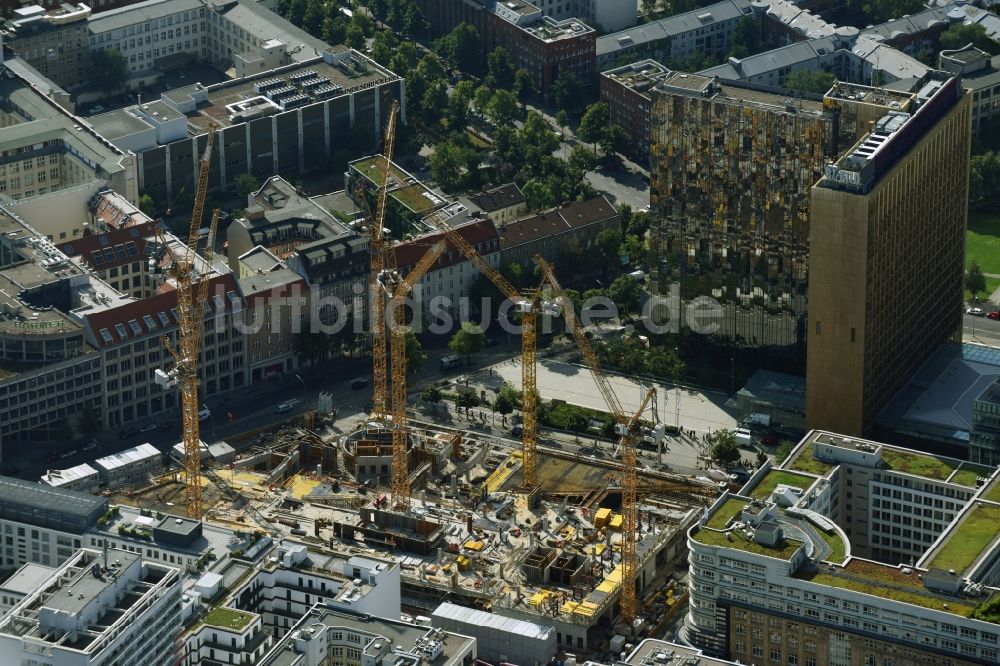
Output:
x,y
758,420
450,362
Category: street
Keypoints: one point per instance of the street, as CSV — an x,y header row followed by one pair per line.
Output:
x,y
981,330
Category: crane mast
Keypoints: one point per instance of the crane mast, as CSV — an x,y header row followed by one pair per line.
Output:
x,y
529,304
381,256
398,292
191,311
627,427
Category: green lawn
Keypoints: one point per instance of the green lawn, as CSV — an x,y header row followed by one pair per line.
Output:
x,y
731,507
968,473
776,477
740,542
969,539
982,241
918,463
993,492
805,462
228,618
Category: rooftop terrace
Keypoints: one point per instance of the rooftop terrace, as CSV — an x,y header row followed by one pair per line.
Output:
x,y
228,618
737,539
967,540
777,477
920,464
805,462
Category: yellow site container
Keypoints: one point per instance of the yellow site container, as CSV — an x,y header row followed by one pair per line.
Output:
x,y
598,548
607,586
447,568
601,517
616,522
463,562
539,598
475,545
568,607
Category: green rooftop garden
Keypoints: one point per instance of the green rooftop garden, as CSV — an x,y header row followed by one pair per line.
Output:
x,y
739,541
836,543
919,464
731,507
777,477
968,473
969,539
228,618
915,595
992,492
804,462
373,168
412,196
989,610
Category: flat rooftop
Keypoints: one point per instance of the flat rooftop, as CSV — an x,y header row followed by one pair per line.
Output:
x,y
967,539
696,85
640,76
29,577
54,508
355,72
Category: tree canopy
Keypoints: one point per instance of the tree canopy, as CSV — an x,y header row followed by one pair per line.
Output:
x,y
723,448
109,71
814,82
462,48
975,281
468,340
959,34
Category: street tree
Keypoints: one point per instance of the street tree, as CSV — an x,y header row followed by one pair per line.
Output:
x,y
109,71
246,184
723,448
462,48
614,140
594,123
415,356
468,340
431,395
435,100
761,458
582,159
500,70
784,450
975,281
568,92
524,85
503,108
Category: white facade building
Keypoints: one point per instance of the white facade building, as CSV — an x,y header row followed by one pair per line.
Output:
x,y
120,610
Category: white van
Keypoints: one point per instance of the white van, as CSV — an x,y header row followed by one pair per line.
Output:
x,y
743,437
204,413
451,362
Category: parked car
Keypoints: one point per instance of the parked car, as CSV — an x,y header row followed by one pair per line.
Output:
x,y
204,413
69,454
975,312
90,446
149,427
285,407
128,432
995,314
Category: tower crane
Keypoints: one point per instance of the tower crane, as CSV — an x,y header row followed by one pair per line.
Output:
x,y
191,324
627,428
397,289
382,259
529,304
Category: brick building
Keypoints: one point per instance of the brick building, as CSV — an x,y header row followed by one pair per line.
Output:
x,y
627,91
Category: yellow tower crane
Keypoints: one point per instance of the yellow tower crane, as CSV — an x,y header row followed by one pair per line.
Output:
x,y
191,324
381,260
627,427
397,289
529,305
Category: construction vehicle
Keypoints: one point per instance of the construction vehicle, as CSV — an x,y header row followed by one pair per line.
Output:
x,y
191,315
529,305
627,426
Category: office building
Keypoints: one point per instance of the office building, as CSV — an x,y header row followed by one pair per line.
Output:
x,y
55,42
97,609
628,92
310,241
325,635
46,149
119,257
42,524
888,218
984,442
22,583
277,308
129,339
48,372
293,118
981,77
539,43
731,171
852,552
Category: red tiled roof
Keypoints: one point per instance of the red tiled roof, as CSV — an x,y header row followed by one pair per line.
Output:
x,y
121,246
478,232
569,216
126,317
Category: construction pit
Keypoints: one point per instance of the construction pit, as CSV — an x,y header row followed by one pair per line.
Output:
x,y
469,536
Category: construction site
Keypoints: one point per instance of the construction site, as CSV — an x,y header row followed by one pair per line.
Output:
x,y
504,525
